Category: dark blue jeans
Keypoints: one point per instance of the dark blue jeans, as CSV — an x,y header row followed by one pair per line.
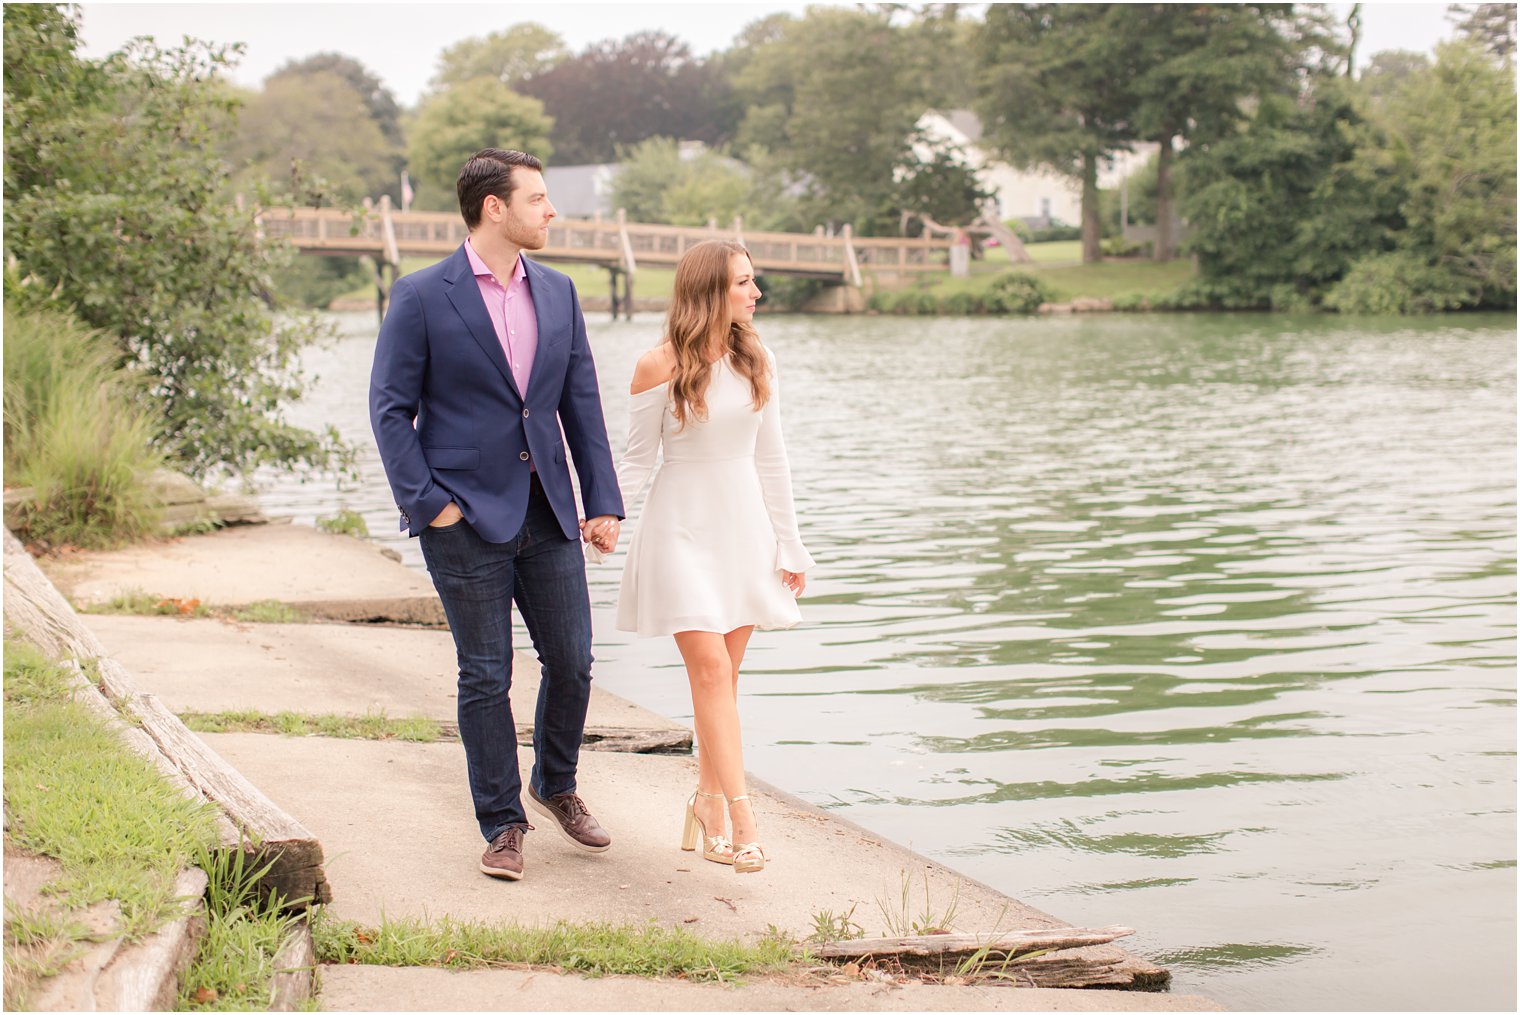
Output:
x,y
545,574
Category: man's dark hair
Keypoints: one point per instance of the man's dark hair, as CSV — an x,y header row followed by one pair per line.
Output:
x,y
489,171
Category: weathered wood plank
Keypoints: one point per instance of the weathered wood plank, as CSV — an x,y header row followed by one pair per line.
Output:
x,y
272,834
294,967
1018,942
1018,956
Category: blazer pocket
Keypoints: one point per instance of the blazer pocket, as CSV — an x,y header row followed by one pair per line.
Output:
x,y
452,458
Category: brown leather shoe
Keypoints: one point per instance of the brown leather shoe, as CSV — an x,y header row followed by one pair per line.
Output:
x,y
575,823
503,857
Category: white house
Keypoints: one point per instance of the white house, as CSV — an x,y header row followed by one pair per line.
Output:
x,y
1040,197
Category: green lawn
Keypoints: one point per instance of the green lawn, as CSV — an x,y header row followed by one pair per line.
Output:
x,y
1060,264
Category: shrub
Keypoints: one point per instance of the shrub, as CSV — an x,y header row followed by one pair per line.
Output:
x,y
1118,246
1018,292
73,434
905,301
1402,282
961,304
1055,234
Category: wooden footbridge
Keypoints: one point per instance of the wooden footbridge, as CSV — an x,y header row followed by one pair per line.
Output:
x,y
620,246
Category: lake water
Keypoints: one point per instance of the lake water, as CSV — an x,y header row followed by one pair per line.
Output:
x,y
1198,624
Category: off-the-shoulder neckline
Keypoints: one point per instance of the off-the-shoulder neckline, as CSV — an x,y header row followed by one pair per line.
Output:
x,y
666,383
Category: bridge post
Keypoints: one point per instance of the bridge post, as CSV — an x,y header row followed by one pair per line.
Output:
x,y
630,265
851,262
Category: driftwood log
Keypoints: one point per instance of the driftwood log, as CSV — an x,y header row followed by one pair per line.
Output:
x,y
1013,953
34,607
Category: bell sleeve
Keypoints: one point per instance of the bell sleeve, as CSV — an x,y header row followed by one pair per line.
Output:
x,y
776,481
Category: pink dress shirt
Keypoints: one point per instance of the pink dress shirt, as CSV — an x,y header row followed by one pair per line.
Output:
x,y
512,315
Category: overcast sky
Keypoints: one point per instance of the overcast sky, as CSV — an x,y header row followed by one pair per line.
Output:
x,y
401,42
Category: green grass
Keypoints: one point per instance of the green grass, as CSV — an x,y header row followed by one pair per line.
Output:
x,y
373,726
122,833
1112,280
137,603
234,966
1059,265
593,949
38,944
265,611
76,793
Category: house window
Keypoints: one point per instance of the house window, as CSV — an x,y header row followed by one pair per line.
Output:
x,y
1045,207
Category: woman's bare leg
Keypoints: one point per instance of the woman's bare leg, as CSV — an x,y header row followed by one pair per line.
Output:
x,y
711,669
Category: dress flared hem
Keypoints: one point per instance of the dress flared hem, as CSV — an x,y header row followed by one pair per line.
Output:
x,y
708,625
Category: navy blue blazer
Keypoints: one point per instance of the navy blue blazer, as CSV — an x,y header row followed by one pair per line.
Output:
x,y
438,363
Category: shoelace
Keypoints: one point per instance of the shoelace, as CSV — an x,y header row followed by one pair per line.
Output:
x,y
511,838
573,805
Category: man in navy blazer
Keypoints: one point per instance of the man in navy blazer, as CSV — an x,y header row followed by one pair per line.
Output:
x,y
482,377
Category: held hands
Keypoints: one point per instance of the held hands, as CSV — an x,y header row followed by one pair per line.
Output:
x,y
796,581
601,532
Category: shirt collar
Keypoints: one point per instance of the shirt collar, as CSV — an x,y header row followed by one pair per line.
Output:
x,y
478,266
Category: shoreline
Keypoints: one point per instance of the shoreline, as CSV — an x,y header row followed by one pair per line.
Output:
x,y
821,856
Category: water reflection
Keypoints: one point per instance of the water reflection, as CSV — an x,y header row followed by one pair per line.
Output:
x,y
1202,625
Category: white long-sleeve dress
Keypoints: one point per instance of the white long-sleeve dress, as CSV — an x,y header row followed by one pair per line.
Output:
x,y
719,524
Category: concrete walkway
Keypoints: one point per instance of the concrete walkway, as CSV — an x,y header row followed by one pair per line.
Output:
x,y
395,818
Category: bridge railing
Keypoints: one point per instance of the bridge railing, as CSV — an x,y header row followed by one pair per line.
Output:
x,y
611,242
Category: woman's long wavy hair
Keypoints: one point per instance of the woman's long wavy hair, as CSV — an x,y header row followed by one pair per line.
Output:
x,y
698,322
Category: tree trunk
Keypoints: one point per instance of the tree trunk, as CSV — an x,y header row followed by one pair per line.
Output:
x,y
1162,249
1091,232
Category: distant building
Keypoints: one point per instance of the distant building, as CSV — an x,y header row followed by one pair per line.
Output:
x,y
1039,197
582,192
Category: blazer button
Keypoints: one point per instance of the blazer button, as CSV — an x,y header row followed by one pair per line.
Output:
x,y
525,414
523,455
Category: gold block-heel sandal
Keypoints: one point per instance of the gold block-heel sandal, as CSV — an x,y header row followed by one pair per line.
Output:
x,y
716,848
749,857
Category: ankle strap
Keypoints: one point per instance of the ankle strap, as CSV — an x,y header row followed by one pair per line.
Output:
x,y
715,796
736,799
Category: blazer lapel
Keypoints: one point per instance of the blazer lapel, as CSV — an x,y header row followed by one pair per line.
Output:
x,y
464,294
553,318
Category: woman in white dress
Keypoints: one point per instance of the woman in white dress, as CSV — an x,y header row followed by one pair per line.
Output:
x,y
717,552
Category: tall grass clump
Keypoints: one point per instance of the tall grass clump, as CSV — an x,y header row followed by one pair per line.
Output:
x,y
74,434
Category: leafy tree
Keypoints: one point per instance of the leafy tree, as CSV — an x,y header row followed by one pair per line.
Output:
x,y
1196,63
1448,134
824,95
939,37
658,182
1280,210
510,56
378,99
646,170
1056,90
939,183
619,93
1388,71
457,122
312,133
1491,26
118,202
